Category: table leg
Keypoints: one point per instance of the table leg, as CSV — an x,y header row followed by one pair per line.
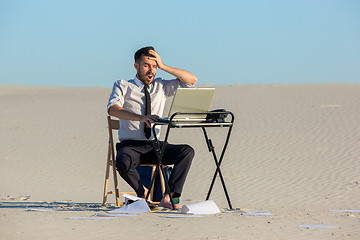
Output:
x,y
217,163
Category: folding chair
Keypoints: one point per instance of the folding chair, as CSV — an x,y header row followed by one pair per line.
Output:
x,y
113,124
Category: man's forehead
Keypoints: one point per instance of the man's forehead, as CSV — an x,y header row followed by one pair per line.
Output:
x,y
145,59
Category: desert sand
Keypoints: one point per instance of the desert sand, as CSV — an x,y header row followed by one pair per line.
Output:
x,y
294,152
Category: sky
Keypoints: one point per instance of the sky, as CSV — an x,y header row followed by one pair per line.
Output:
x,y
92,43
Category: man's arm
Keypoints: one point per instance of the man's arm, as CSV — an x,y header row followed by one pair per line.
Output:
x,y
182,75
121,113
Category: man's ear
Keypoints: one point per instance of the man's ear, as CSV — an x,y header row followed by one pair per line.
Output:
x,y
136,65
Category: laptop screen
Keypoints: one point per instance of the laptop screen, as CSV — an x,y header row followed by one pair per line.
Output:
x,y
192,100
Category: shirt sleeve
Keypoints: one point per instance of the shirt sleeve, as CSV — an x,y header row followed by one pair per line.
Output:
x,y
116,96
170,86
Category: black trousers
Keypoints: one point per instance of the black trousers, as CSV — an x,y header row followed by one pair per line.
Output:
x,y
131,153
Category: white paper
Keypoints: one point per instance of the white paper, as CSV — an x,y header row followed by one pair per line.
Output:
x,y
136,207
90,218
42,210
316,226
345,211
130,197
114,215
234,211
206,207
183,216
256,213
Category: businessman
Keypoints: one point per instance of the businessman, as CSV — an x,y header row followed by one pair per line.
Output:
x,y
138,103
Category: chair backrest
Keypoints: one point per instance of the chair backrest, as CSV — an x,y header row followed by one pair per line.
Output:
x,y
113,123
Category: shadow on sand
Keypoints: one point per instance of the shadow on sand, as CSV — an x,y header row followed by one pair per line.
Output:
x,y
59,206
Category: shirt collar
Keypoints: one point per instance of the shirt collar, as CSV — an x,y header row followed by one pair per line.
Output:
x,y
140,84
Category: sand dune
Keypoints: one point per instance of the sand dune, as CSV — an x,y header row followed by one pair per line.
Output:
x,y
294,152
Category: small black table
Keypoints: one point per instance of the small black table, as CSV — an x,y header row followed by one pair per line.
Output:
x,y
174,123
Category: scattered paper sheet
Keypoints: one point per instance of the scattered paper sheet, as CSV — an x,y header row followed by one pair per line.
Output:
x,y
42,210
206,207
130,197
234,211
136,207
345,211
256,213
114,215
249,213
183,216
316,226
90,218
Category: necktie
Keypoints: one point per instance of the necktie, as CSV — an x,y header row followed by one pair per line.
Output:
x,y
147,130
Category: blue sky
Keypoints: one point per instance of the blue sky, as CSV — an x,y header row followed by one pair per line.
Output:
x,y
92,43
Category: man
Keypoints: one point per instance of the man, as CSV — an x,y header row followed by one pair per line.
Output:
x,y
138,103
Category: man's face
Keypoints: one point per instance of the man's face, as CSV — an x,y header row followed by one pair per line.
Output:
x,y
146,70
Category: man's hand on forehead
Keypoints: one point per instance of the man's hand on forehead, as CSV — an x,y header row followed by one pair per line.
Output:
x,y
156,58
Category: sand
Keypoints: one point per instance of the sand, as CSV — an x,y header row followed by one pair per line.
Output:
x,y
294,153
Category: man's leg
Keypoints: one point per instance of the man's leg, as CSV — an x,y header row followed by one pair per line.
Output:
x,y
181,156
127,159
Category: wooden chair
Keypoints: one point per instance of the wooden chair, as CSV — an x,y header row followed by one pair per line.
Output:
x,y
113,124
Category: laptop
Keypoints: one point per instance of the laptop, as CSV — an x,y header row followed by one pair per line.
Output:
x,y
190,100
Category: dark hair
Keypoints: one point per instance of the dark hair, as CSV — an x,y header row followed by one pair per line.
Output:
x,y
143,52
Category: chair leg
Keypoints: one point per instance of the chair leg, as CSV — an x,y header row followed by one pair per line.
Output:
x,y
116,184
162,181
106,184
151,195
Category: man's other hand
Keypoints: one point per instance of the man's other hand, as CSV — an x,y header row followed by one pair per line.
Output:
x,y
148,119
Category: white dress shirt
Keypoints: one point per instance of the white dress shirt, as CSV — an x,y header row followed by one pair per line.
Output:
x,y
130,96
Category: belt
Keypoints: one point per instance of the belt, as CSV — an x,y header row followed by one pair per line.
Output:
x,y
133,143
